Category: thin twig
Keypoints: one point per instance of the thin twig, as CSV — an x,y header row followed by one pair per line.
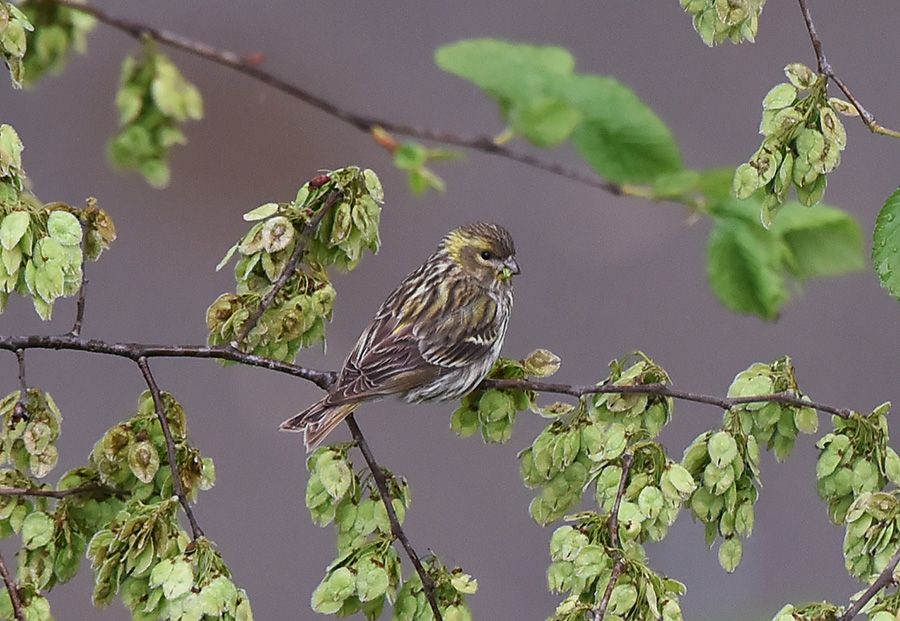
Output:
x,y
196,532
288,270
884,579
613,527
13,591
825,69
396,529
20,358
484,144
79,304
60,493
21,407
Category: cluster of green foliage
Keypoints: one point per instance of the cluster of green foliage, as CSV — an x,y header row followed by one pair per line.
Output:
x,y
587,445
804,140
367,572
124,516
42,247
153,100
55,30
725,462
296,318
32,427
718,480
46,31
855,459
120,512
543,100
717,20
14,25
494,411
582,565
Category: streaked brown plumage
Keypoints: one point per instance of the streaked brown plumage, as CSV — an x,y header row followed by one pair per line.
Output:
x,y
434,338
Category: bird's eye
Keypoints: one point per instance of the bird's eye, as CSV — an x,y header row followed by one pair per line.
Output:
x,y
487,256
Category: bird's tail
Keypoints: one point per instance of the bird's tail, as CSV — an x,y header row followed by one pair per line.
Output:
x,y
317,421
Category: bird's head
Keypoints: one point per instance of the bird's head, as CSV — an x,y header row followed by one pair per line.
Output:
x,y
484,251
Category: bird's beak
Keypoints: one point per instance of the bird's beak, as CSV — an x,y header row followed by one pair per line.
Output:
x,y
510,268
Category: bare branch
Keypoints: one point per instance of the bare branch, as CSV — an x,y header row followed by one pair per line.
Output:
x,y
288,270
13,590
885,578
484,144
135,351
396,529
79,304
825,69
170,446
23,385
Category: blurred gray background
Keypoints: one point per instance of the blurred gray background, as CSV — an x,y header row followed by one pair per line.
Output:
x,y
601,275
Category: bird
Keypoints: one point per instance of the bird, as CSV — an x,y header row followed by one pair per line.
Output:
x,y
435,337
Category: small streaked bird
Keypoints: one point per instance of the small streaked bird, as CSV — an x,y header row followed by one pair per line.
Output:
x,y
434,338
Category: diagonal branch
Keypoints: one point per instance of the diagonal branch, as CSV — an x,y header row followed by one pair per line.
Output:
x,y
396,529
366,124
613,527
825,69
289,268
885,578
82,297
170,446
13,591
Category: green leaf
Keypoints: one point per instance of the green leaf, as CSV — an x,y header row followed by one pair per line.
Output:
x,y
621,138
618,135
722,448
329,596
13,228
546,122
64,228
371,580
335,475
730,553
37,530
886,245
505,71
824,241
179,581
781,96
744,268
261,213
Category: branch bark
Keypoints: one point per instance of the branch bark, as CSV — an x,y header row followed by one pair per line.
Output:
x,y
825,69
288,270
367,124
885,578
396,529
13,591
613,527
178,488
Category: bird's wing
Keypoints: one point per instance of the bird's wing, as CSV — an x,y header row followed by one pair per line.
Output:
x,y
385,360
462,337
396,354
